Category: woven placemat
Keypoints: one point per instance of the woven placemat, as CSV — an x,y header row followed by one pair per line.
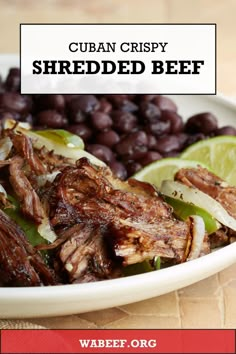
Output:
x,y
18,324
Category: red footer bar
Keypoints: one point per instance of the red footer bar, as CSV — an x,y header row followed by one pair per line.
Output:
x,y
117,341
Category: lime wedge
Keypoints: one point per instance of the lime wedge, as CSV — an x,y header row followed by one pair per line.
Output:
x,y
160,170
218,153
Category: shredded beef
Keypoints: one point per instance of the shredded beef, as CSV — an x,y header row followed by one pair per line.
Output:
x,y
20,264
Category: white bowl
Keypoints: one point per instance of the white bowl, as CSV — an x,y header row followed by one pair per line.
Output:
x,y
71,299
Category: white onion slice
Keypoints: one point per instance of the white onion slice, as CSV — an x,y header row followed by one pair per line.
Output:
x,y
194,196
59,149
48,177
44,229
198,233
3,191
5,148
11,123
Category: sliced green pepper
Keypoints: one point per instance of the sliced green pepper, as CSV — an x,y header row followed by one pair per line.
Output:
x,y
143,267
29,228
138,268
157,263
183,210
63,137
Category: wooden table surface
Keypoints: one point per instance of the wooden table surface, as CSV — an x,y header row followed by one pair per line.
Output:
x,y
206,304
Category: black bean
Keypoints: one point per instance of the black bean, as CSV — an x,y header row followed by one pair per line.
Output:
x,y
150,157
226,130
146,98
183,138
168,143
101,121
118,169
164,102
149,112
14,71
9,115
108,138
133,146
80,106
176,121
135,154
27,119
76,116
160,127
87,103
133,167
56,102
138,152
128,106
51,119
69,97
172,153
124,122
139,128
152,141
82,130
140,138
194,138
204,123
12,82
117,100
104,106
132,97
101,152
15,102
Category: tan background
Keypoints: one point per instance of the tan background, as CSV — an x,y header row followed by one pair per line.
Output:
x,y
211,302
222,12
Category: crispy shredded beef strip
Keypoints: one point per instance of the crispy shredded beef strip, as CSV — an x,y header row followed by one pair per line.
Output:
x,y
216,188
85,254
20,264
88,187
165,237
210,184
132,196
219,238
137,241
94,212
30,202
5,163
24,148
135,220
53,161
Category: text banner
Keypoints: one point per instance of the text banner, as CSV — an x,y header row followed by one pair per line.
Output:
x,y
122,59
117,341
